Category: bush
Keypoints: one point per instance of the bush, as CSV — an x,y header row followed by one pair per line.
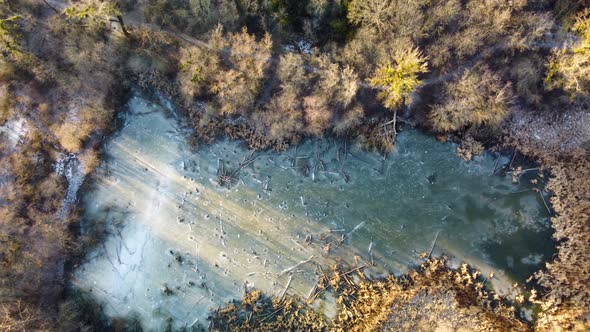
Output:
x,y
477,98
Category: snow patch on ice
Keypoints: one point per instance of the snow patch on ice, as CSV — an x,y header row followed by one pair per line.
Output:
x,y
15,130
68,166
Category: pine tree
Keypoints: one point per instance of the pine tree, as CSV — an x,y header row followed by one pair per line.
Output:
x,y
9,35
398,80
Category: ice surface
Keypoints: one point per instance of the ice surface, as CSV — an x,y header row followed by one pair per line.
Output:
x,y
15,130
177,244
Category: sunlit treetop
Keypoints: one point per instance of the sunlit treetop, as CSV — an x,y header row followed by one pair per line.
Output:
x,y
10,32
9,35
92,14
477,97
397,80
582,27
569,68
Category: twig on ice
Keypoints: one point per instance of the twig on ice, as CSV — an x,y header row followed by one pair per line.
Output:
x,y
433,243
287,270
286,287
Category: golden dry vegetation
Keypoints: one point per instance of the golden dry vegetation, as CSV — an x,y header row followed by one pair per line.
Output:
x,y
428,299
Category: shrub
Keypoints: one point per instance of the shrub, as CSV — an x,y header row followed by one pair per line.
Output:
x,y
478,97
569,68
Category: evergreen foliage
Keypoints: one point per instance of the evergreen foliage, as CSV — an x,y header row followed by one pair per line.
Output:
x,y
397,81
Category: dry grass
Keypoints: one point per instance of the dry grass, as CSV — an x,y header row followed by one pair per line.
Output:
x,y
567,277
428,299
559,142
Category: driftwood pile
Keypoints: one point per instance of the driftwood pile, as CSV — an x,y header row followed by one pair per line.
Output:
x,y
227,177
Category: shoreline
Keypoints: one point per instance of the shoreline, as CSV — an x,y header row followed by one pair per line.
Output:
x,y
87,185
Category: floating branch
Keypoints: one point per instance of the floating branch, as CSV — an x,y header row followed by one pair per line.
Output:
x,y
286,287
357,227
495,165
433,243
545,202
287,270
512,160
523,170
226,177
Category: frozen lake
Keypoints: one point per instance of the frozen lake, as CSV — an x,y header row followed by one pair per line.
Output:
x,y
174,244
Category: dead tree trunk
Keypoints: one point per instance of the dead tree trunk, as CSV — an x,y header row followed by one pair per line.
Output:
x,y
50,6
120,20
